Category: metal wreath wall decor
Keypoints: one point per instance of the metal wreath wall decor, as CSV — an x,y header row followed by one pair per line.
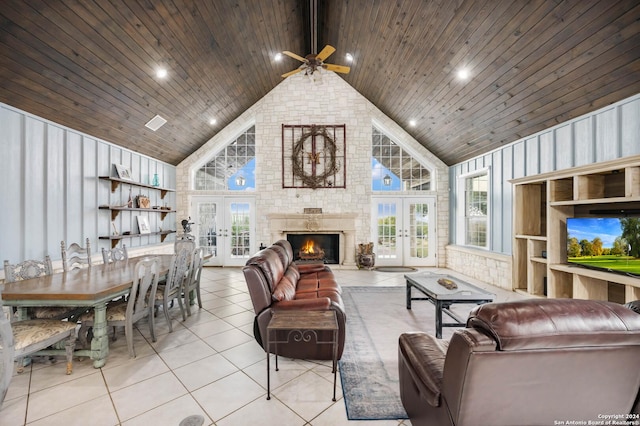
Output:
x,y
313,156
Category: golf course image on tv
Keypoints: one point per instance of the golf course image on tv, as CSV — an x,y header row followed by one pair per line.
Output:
x,y
606,243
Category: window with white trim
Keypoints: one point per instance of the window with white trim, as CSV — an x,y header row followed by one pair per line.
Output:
x,y
475,209
233,168
394,169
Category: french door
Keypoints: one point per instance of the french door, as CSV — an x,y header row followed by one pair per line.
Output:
x,y
225,226
404,231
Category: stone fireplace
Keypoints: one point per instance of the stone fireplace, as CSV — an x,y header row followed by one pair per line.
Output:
x,y
342,225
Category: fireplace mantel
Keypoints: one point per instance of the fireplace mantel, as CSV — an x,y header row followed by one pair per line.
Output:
x,y
281,224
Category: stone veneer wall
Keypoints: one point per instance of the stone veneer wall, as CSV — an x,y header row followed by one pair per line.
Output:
x,y
489,267
299,100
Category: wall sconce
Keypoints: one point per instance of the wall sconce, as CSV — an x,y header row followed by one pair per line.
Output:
x,y
386,180
240,181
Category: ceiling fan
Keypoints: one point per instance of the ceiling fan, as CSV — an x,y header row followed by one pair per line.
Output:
x,y
312,62
315,61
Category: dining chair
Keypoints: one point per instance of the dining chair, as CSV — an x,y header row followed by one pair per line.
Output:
x,y
166,293
30,337
137,306
32,269
75,256
191,286
116,254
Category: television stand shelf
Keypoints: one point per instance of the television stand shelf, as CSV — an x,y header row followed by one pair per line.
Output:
x,y
542,205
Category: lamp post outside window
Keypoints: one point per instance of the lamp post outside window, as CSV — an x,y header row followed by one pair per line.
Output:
x,y
240,181
386,180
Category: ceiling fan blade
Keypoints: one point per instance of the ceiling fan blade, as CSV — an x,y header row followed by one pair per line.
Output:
x,y
325,53
294,56
297,70
336,68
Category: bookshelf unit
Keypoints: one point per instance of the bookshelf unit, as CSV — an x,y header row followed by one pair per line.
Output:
x,y
542,204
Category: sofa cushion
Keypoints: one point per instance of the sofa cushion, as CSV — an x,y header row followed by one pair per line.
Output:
x,y
270,264
285,290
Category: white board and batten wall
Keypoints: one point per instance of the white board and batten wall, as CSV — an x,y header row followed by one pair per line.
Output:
x,y
609,133
50,191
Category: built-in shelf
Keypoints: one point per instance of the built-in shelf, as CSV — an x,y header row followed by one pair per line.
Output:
x,y
542,205
115,211
116,238
115,183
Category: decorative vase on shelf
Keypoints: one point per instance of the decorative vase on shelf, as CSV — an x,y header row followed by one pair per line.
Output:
x,y
155,181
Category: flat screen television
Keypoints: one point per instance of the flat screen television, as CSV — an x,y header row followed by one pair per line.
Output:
x,y
605,243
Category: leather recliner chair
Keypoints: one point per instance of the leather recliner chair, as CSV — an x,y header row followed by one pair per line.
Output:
x,y
530,362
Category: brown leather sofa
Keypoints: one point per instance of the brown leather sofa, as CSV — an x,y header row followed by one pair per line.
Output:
x,y
275,282
530,362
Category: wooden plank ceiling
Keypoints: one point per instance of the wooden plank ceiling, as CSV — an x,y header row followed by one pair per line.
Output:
x,y
533,63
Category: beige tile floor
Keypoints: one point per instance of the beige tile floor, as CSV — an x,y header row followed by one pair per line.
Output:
x,y
210,365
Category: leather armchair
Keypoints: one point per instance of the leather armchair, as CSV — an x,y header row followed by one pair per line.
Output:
x,y
529,362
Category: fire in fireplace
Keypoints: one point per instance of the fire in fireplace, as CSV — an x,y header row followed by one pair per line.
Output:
x,y
315,247
309,251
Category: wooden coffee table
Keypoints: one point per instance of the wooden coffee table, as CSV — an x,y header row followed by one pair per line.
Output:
x,y
301,326
427,284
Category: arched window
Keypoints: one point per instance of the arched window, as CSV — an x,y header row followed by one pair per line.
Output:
x,y
233,168
393,169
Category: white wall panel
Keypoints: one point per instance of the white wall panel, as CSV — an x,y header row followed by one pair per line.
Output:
x,y
73,184
564,146
55,192
90,200
630,128
606,135
497,212
33,178
547,152
532,156
11,165
519,158
583,133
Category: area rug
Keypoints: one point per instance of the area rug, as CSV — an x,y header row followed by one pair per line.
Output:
x,y
376,316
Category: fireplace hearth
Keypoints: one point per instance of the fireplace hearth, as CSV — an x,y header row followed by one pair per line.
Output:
x,y
323,248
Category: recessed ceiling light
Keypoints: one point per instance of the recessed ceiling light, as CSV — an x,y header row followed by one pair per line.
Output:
x,y
412,123
161,72
213,121
278,57
349,57
463,74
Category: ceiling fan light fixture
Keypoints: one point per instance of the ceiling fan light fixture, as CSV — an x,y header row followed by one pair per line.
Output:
x,y
155,123
278,57
349,57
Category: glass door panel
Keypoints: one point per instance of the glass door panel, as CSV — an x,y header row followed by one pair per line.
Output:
x,y
404,231
385,219
239,223
225,227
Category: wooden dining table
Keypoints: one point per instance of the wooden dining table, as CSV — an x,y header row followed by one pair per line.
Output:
x,y
90,287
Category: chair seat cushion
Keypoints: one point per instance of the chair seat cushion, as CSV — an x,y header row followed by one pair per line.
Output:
x,y
116,311
28,332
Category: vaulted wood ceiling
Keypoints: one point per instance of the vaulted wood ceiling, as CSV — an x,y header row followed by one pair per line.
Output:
x,y
533,63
